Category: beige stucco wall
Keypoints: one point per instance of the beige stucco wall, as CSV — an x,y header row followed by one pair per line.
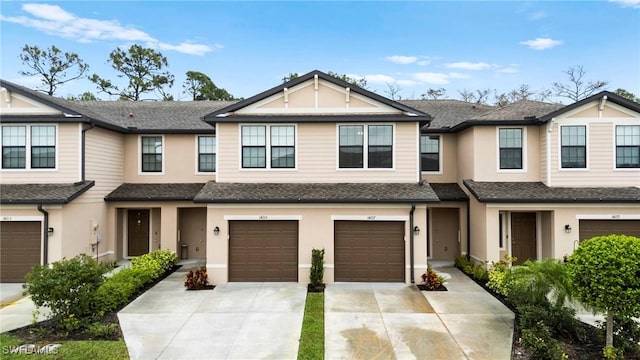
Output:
x,y
448,161
180,156
465,156
317,157
315,230
67,160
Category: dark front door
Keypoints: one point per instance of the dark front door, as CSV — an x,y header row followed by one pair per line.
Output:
x,y
523,236
137,232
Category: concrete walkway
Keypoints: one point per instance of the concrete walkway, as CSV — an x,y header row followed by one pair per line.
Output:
x,y
234,321
16,310
396,321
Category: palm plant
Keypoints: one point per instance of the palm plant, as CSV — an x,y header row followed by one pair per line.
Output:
x,y
539,282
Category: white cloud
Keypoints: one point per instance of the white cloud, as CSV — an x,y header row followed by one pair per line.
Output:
x,y
380,78
400,59
541,43
432,78
455,75
53,20
465,65
511,69
537,15
424,62
406,82
628,3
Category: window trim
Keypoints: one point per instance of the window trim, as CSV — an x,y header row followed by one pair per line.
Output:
x,y
615,147
586,146
440,154
524,149
197,163
28,147
268,147
164,153
365,147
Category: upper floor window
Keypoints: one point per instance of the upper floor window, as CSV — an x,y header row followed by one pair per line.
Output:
x,y
206,153
278,147
573,143
430,153
628,146
25,147
510,143
377,139
151,153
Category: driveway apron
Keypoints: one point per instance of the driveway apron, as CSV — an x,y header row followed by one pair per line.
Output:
x,y
397,321
233,321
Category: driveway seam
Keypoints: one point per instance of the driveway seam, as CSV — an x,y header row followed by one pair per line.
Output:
x,y
451,334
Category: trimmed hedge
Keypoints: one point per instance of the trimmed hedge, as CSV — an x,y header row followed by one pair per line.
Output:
x,y
118,290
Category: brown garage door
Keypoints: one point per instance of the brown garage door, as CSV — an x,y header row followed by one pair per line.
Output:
x,y
263,251
591,228
369,251
20,249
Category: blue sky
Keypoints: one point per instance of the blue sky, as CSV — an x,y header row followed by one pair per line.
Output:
x,y
248,47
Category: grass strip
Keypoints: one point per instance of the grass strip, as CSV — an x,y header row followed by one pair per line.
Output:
x,y
68,350
311,345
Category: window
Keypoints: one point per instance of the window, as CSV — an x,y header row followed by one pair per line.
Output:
x,y
628,146
25,147
280,144
282,147
152,154
206,153
430,153
500,230
573,151
378,141
510,141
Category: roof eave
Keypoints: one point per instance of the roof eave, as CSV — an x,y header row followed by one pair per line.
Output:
x,y
315,201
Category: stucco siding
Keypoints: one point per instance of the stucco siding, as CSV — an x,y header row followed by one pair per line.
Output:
x,y
465,159
316,157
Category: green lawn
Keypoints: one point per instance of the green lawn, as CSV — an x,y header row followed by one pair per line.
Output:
x,y
69,350
312,335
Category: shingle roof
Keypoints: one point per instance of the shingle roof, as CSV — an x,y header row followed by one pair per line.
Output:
x,y
537,192
156,116
214,192
449,192
448,113
154,192
42,193
519,110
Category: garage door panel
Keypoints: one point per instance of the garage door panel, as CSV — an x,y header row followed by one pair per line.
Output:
x,y
369,251
263,251
19,249
591,228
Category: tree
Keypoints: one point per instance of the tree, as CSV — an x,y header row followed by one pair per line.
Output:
x,y
200,87
521,93
433,94
625,94
605,271
55,68
393,91
290,77
142,68
85,96
577,89
344,77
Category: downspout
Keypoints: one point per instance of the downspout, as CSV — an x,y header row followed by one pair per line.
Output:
x,y
83,151
468,230
413,208
45,253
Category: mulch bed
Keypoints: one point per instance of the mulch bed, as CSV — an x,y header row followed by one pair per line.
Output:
x,y
423,287
316,289
45,332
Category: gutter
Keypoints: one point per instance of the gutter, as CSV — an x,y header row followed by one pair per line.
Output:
x,y
413,208
45,250
83,151
468,229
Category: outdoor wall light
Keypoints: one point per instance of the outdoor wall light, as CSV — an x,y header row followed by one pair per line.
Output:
x,y
567,228
416,230
50,230
216,230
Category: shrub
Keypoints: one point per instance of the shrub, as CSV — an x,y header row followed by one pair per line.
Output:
x,y
604,271
497,275
626,336
534,281
102,331
462,261
196,279
68,288
316,276
479,271
560,320
156,263
431,280
541,343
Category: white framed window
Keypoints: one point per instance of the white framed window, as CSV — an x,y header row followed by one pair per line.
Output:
x,y
207,160
268,146
430,153
363,146
511,148
573,147
29,147
627,146
151,154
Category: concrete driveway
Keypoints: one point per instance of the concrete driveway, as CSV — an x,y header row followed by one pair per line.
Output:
x,y
396,321
233,321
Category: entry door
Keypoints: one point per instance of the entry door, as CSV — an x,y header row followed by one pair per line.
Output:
x,y
444,223
137,232
523,236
